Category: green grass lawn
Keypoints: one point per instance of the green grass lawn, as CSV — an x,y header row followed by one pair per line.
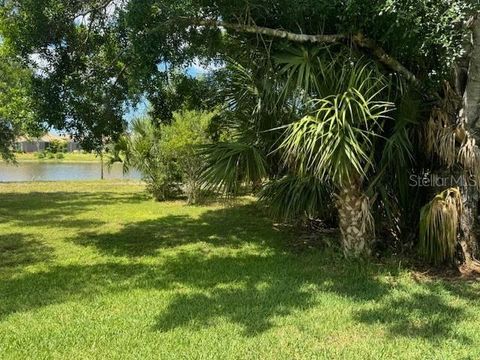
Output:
x,y
68,157
99,271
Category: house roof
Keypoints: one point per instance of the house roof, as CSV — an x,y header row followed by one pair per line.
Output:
x,y
48,137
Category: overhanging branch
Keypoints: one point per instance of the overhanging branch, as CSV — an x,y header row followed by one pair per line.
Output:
x,y
259,30
359,40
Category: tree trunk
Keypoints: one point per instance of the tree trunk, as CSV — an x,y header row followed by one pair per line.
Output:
x,y
468,225
472,91
468,86
355,220
102,176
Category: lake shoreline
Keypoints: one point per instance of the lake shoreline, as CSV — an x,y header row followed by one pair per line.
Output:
x,y
50,157
51,161
66,170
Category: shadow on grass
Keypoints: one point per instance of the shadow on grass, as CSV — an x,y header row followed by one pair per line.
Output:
x,y
233,227
253,290
21,250
48,208
252,280
423,314
70,283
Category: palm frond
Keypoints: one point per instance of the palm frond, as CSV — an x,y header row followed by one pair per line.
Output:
x,y
119,152
297,197
229,165
299,65
439,222
337,142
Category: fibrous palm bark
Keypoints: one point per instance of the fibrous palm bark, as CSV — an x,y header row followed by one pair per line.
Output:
x,y
468,87
355,219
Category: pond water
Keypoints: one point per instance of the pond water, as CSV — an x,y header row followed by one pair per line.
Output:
x,y
37,171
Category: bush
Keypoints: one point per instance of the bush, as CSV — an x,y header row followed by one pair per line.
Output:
x,y
180,141
60,156
57,146
143,151
166,155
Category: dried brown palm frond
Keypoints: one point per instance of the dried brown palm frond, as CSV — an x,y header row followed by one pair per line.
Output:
x,y
469,154
440,138
469,157
439,223
451,100
446,146
440,130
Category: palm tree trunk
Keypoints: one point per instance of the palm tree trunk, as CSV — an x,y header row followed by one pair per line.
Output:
x,y
468,225
468,86
355,220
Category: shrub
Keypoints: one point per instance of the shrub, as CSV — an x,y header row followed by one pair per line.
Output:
x,y
57,146
142,150
180,141
166,155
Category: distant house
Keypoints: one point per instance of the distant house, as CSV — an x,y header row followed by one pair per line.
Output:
x,y
30,145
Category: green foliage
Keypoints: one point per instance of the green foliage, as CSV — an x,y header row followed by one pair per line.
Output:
x,y
167,155
228,166
179,92
439,224
293,198
57,146
437,31
92,58
78,82
40,155
143,150
397,160
337,142
16,105
181,140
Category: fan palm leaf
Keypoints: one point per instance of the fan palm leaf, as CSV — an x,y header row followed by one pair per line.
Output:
x,y
230,165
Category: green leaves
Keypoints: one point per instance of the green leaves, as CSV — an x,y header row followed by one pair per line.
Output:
x,y
16,104
143,150
295,197
229,165
337,142
300,66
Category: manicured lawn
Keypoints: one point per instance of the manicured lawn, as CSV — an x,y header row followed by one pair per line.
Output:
x,y
99,271
68,157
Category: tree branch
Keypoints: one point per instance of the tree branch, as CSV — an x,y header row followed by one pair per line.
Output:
x,y
282,34
98,8
359,40
387,60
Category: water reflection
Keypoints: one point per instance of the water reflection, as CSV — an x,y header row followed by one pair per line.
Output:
x,y
34,171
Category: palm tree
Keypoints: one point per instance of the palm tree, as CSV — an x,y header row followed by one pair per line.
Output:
x,y
336,144
142,149
345,140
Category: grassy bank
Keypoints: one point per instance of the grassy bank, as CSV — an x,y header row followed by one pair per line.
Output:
x,y
98,270
67,157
